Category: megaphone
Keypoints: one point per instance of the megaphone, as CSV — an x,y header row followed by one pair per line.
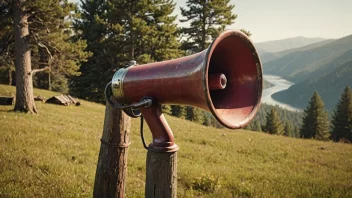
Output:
x,y
225,79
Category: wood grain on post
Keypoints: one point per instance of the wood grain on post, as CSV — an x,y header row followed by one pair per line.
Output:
x,y
110,177
161,181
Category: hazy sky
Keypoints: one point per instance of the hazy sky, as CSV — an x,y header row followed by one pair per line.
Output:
x,y
279,19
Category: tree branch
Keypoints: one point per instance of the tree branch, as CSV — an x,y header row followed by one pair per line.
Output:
x,y
39,70
43,46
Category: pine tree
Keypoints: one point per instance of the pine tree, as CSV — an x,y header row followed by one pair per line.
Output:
x,y
215,123
7,65
165,44
342,118
248,127
288,131
179,111
195,115
207,19
256,126
248,33
315,121
39,25
207,119
273,123
166,109
296,131
120,31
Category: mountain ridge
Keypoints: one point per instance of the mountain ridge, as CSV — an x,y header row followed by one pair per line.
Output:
x,y
286,44
289,66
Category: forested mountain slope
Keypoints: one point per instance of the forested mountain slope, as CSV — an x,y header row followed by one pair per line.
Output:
x,y
292,65
270,56
329,86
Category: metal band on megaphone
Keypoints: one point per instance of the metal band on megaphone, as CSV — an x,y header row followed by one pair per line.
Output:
x,y
117,84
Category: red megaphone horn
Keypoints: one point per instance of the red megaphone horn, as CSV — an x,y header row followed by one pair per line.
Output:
x,y
225,79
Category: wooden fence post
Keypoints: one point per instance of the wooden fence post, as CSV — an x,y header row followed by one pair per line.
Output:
x,y
161,180
110,177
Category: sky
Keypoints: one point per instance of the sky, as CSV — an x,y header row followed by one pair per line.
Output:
x,y
279,19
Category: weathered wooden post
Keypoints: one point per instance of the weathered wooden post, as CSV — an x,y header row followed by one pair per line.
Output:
x,y
161,174
110,177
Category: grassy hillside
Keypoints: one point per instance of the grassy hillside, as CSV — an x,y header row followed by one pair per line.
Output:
x,y
329,86
293,65
54,154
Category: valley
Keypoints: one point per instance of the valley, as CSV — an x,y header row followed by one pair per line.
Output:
x,y
278,84
324,66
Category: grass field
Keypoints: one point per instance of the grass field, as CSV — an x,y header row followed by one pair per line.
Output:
x,y
54,154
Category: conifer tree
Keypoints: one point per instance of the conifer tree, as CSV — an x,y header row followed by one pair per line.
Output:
x,y
166,109
288,131
39,25
207,119
120,31
195,115
342,118
179,111
315,121
296,131
248,127
207,19
256,125
215,123
273,123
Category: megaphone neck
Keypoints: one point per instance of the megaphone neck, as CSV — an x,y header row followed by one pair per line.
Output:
x,y
163,138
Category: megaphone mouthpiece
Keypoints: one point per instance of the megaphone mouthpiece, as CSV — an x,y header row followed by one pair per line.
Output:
x,y
217,81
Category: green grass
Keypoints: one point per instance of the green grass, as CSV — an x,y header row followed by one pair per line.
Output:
x,y
54,154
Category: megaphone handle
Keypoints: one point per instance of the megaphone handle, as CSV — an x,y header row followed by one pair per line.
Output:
x,y
163,138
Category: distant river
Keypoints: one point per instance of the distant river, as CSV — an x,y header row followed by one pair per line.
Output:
x,y
280,84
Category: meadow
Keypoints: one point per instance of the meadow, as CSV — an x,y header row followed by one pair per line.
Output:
x,y
54,154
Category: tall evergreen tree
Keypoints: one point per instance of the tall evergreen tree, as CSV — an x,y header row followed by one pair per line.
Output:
x,y
207,120
342,118
288,131
39,25
315,121
166,109
179,111
256,126
207,19
7,65
273,123
296,131
119,31
195,115
248,127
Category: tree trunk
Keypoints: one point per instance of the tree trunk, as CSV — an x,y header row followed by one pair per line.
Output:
x,y
112,163
161,181
49,80
10,76
24,84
